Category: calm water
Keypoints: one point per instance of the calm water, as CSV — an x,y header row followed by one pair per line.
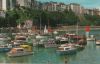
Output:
x,y
90,55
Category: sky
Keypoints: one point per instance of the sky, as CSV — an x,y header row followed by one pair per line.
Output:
x,y
84,3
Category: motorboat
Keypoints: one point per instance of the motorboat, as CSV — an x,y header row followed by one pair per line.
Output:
x,y
3,37
91,38
5,48
66,49
23,50
50,43
20,38
98,42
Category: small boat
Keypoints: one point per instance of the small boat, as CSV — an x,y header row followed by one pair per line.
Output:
x,y
91,38
5,48
20,51
50,43
79,47
3,37
20,38
98,42
66,49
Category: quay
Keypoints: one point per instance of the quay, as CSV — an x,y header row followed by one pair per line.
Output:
x,y
74,28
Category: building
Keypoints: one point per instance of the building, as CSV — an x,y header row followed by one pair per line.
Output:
x,y
53,6
88,11
0,4
37,5
25,3
7,4
12,4
92,11
96,11
62,7
76,8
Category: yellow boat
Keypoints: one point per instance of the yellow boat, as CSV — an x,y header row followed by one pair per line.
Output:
x,y
20,51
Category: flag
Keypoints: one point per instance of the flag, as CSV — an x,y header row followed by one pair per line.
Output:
x,y
87,28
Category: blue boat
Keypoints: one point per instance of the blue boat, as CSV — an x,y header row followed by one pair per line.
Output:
x,y
5,48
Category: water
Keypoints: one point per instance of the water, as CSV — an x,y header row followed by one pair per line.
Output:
x,y
89,55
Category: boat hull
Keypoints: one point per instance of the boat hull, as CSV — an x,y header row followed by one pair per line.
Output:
x,y
91,39
97,42
19,54
5,49
67,52
50,45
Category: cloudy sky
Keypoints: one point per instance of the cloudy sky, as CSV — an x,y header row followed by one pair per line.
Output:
x,y
85,3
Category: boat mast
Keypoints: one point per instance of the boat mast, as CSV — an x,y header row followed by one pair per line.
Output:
x,y
40,23
77,29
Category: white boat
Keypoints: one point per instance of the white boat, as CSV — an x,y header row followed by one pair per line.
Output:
x,y
50,43
66,49
39,36
98,42
20,51
20,37
91,38
4,37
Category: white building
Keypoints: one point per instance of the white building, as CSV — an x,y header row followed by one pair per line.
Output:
x,y
25,3
76,8
7,4
54,6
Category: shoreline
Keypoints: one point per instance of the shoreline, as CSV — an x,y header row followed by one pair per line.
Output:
x,y
74,28
62,28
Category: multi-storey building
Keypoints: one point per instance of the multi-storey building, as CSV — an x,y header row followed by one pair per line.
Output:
x,y
12,4
0,4
92,11
7,4
54,6
88,11
62,7
76,8
96,11
25,3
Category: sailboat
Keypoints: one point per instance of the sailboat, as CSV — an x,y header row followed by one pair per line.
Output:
x,y
45,30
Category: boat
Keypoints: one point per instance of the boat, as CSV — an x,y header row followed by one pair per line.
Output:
x,y
23,50
91,38
20,37
3,37
98,42
66,49
50,43
79,47
5,48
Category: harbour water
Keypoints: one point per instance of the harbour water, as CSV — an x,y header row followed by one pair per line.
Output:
x,y
89,55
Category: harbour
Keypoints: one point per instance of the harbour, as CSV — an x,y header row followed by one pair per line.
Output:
x,y
49,32
88,55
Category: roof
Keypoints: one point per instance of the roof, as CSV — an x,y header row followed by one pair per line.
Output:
x,y
17,48
24,45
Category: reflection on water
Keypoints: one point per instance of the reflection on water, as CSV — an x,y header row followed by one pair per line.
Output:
x,y
89,55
